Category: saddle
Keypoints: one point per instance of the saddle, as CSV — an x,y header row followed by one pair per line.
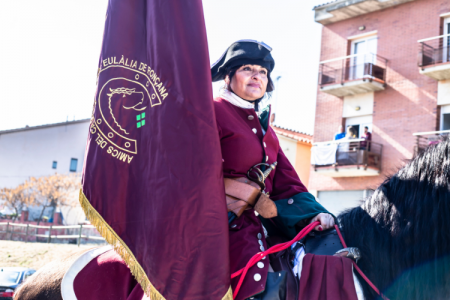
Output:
x,y
325,242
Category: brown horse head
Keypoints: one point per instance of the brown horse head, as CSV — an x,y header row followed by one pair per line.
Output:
x,y
45,284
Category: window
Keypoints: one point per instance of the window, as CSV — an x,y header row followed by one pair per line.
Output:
x,y
359,123
28,274
73,165
445,117
446,41
365,50
54,164
446,122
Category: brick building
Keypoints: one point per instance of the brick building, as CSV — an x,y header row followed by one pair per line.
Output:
x,y
384,65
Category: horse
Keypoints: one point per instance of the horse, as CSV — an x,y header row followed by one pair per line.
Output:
x,y
46,282
401,231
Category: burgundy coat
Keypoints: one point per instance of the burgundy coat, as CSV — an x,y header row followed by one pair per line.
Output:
x,y
243,146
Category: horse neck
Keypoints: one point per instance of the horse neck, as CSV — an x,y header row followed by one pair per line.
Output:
x,y
399,263
363,232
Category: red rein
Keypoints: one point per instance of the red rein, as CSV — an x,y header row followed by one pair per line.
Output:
x,y
358,269
258,256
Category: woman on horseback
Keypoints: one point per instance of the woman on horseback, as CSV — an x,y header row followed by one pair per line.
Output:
x,y
247,141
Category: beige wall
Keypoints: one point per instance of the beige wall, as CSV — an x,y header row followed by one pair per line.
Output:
x,y
289,147
303,162
299,155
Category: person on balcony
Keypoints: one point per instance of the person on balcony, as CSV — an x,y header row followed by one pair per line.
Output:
x,y
367,136
346,149
340,134
351,133
345,145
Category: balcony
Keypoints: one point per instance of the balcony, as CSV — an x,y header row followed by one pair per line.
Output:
x,y
425,139
353,74
434,57
339,10
347,158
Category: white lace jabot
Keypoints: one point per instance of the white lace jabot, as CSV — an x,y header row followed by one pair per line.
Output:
x,y
239,102
236,100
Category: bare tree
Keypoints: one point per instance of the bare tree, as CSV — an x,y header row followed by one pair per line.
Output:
x,y
19,197
55,190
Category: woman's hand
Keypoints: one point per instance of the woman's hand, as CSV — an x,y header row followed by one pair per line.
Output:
x,y
326,221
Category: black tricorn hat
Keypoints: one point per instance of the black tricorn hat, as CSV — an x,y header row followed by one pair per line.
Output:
x,y
243,52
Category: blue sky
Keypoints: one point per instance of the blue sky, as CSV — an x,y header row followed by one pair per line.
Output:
x,y
50,51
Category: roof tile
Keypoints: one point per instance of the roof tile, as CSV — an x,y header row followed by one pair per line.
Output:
x,y
293,134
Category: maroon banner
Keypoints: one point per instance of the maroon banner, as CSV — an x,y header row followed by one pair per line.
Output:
x,y
152,180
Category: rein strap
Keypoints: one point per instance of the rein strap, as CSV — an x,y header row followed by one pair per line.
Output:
x,y
258,256
359,270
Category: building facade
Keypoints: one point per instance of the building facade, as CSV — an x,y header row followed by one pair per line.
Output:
x,y
384,65
40,151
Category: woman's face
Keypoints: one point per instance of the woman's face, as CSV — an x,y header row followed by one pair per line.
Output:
x,y
249,82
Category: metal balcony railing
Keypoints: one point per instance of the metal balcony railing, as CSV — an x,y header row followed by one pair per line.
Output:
x,y
425,139
359,153
434,50
353,67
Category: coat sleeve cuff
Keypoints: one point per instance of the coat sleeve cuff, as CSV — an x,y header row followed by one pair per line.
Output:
x,y
291,212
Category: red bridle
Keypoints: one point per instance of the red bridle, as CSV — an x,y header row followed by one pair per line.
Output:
x,y
258,256
359,270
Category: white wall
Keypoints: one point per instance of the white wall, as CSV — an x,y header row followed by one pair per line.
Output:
x,y
30,152
363,101
443,92
338,201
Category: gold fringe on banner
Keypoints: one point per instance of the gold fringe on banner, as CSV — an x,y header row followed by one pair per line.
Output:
x,y
122,249
228,295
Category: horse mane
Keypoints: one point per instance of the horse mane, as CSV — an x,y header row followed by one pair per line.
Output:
x,y
403,229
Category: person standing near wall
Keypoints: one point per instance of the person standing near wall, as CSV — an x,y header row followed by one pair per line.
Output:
x,y
368,137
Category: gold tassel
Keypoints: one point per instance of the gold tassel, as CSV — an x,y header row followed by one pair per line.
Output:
x,y
122,249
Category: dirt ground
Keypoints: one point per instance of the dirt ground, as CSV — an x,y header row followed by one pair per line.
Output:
x,y
33,255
